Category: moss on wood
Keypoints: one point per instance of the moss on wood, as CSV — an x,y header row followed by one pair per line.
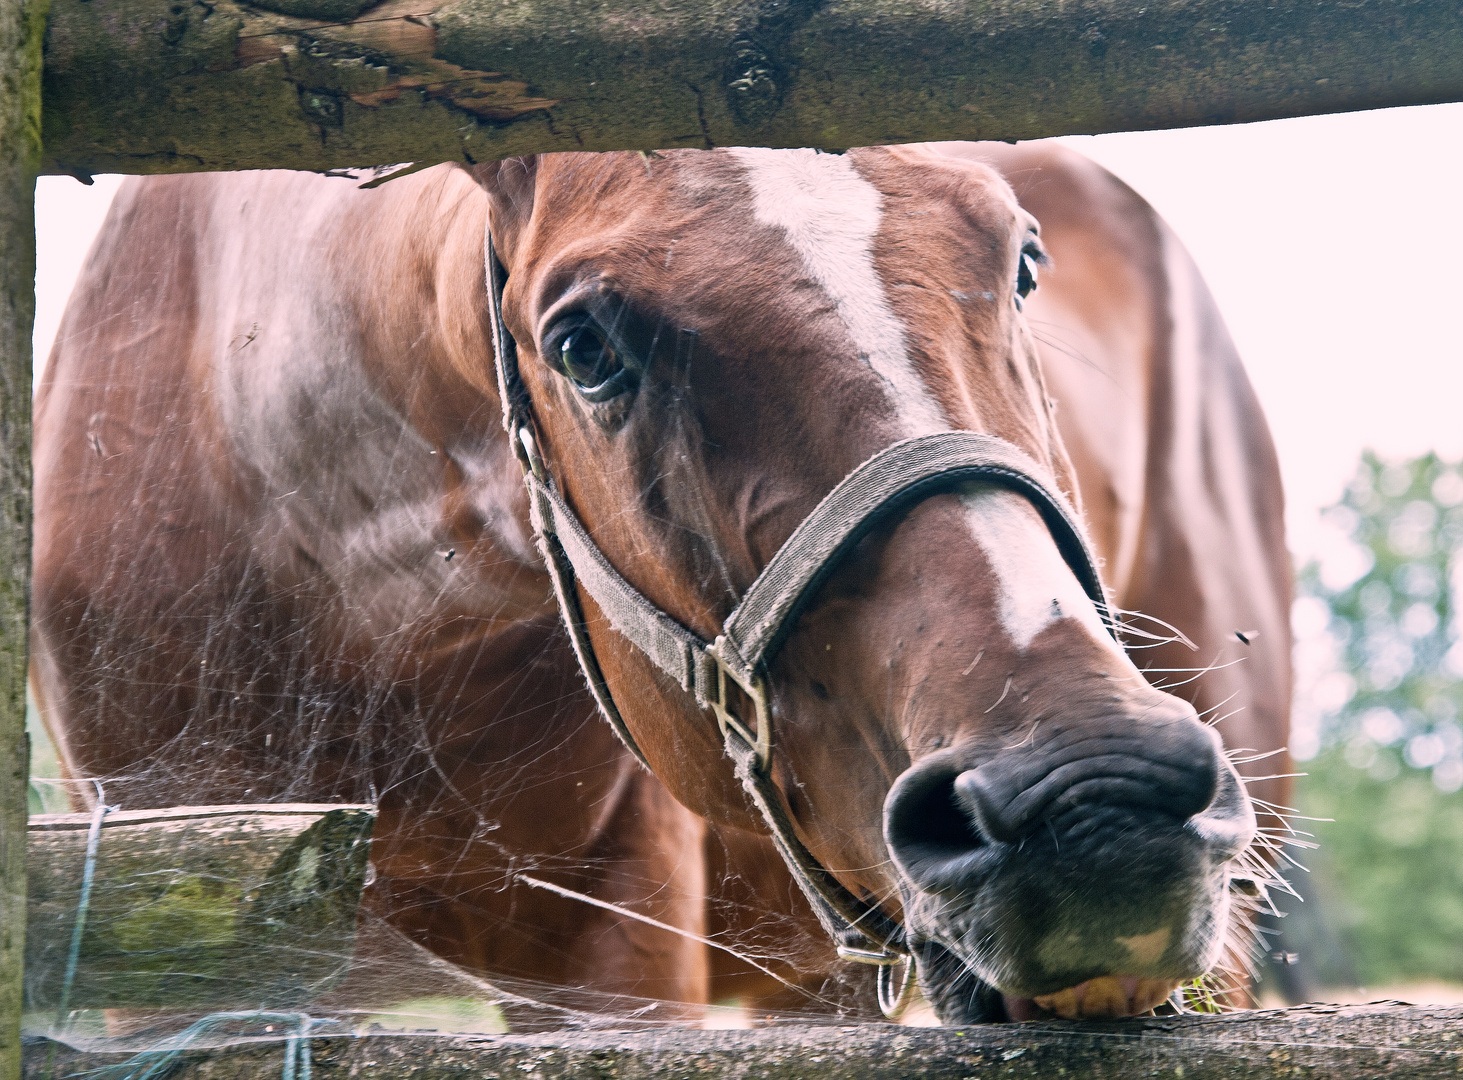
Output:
x,y
207,907
21,23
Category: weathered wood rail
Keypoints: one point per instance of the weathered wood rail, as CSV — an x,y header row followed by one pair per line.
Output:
x,y
189,85
200,907
1310,1041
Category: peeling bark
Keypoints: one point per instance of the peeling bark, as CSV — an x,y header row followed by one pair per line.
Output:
x,y
180,85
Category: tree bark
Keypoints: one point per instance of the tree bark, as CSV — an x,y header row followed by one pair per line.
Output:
x,y
183,85
1311,1041
21,23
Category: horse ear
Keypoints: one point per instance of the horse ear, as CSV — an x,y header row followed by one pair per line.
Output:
x,y
510,186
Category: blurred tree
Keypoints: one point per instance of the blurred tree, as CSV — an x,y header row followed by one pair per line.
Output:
x,y
1379,694
48,792
1384,598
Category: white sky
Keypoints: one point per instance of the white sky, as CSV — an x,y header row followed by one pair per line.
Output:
x,y
1327,241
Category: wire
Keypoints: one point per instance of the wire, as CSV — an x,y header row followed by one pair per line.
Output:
x,y
83,902
648,921
157,1061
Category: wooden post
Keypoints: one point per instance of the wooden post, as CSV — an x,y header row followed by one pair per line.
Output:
x,y
21,26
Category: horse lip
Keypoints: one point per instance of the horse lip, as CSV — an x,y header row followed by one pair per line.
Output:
x,y
1021,982
951,902
1118,995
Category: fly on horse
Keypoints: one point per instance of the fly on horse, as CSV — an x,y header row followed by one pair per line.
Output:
x,y
779,460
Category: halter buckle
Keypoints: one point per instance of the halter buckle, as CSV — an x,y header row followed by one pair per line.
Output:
x,y
759,740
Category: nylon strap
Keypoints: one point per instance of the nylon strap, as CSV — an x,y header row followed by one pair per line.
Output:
x,y
675,650
880,488
838,910
561,573
887,484
518,423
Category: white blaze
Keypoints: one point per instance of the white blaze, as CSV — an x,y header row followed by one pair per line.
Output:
x,y
830,215
1037,587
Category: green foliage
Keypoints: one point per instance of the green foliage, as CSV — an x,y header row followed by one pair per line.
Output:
x,y
1389,871
44,795
1204,994
1392,622
1379,695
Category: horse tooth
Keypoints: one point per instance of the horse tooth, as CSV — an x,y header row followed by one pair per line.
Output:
x,y
1105,997
1065,1003
1151,993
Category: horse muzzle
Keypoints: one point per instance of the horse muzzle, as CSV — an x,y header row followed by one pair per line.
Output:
x,y
1092,855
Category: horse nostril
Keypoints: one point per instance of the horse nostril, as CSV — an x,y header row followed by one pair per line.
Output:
x,y
942,822
927,817
982,800
930,833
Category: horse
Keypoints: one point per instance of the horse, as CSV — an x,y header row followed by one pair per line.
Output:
x,y
778,460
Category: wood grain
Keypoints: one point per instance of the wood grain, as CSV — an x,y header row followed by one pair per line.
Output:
x,y
214,907
1327,1041
184,85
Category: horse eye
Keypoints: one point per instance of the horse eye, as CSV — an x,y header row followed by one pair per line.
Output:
x,y
1026,276
590,363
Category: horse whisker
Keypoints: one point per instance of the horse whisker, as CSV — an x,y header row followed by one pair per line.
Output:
x,y
1004,692
605,905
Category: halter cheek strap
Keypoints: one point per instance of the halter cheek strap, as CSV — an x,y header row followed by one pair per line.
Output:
x,y
884,486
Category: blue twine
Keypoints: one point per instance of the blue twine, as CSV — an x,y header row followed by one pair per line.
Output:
x,y
153,1063
156,1061
88,871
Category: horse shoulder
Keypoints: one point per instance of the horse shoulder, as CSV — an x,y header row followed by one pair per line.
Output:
x,y
258,396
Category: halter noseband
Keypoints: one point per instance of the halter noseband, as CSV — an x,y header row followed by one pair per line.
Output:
x,y
888,483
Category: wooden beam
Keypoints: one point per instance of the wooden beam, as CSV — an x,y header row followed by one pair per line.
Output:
x,y
1310,1041
21,24
188,85
200,907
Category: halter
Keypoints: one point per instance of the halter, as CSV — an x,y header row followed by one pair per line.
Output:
x,y
887,484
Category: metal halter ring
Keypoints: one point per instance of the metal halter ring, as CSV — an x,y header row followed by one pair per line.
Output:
x,y
892,1000
874,957
759,740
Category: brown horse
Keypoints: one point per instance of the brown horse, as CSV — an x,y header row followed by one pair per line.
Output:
x,y
283,551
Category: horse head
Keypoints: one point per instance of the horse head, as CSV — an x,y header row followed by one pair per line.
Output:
x,y
943,723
